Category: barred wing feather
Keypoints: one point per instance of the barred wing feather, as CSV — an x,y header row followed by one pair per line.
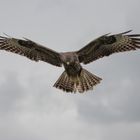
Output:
x,y
30,49
107,45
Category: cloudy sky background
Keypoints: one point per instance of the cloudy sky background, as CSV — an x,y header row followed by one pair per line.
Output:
x,y
31,109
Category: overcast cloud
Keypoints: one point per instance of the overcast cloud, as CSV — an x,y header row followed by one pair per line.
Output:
x,y
31,109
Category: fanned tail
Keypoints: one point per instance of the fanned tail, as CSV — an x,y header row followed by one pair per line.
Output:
x,y
83,82
65,83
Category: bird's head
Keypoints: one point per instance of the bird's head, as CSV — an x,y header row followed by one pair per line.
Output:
x,y
69,58
68,62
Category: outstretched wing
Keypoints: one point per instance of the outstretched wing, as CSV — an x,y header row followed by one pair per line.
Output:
x,y
30,49
107,45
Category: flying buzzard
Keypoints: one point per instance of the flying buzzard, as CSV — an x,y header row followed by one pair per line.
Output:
x,y
74,78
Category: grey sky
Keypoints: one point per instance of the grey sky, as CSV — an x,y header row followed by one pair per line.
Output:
x,y
31,109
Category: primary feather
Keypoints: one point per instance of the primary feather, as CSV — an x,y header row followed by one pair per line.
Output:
x,y
30,49
107,45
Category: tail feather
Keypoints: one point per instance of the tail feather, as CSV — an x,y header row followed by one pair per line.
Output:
x,y
83,82
94,78
80,85
89,80
69,85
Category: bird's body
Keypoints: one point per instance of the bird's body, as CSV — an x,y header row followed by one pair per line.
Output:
x,y
74,78
71,63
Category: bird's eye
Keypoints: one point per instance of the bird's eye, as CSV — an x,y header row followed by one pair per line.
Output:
x,y
68,62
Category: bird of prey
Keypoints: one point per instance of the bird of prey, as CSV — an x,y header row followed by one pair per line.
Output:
x,y
74,78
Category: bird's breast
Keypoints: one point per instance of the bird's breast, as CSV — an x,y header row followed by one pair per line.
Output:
x,y
73,69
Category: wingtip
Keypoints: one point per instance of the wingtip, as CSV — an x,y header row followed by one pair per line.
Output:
x,y
126,32
25,38
7,35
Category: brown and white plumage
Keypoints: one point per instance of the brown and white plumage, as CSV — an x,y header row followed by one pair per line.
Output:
x,y
107,45
81,83
74,78
30,49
